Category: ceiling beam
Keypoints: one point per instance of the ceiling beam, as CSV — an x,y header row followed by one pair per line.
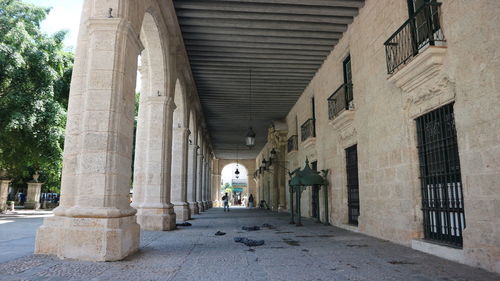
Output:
x,y
266,8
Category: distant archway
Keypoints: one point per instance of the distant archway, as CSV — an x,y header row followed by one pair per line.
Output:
x,y
236,185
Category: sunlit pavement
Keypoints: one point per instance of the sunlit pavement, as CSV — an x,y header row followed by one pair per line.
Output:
x,y
17,232
311,252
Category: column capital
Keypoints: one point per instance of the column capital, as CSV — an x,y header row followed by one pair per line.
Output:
x,y
115,24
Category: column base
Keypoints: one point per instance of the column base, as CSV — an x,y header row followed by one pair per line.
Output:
x,y
158,219
32,205
205,205
193,207
201,207
210,204
88,239
182,211
282,209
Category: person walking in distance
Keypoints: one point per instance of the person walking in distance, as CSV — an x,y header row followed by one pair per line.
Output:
x,y
251,201
225,198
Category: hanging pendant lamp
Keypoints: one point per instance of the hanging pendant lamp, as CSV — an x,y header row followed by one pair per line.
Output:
x,y
237,172
250,137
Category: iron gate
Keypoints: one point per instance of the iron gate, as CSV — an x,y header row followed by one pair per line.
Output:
x,y
442,196
352,184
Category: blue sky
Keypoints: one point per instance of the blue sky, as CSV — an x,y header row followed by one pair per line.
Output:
x,y
65,15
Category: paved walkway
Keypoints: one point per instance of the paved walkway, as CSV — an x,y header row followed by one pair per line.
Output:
x,y
312,252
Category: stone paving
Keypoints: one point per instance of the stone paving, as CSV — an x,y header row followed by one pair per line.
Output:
x,y
311,252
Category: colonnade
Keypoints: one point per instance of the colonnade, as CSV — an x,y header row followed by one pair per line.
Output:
x,y
172,153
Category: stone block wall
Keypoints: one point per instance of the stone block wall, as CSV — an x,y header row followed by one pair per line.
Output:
x,y
465,71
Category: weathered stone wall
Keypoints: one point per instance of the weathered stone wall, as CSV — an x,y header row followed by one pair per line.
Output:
x,y
383,127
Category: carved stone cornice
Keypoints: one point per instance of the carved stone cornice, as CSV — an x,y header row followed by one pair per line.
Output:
x,y
422,68
343,120
310,142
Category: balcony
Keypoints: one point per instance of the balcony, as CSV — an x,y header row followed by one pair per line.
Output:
x,y
340,100
418,32
308,129
293,143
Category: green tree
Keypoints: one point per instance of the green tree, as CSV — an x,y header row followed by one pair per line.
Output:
x,y
227,187
35,72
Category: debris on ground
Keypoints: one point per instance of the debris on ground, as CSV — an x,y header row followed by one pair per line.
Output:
x,y
400,262
220,233
250,228
249,242
183,224
291,242
266,225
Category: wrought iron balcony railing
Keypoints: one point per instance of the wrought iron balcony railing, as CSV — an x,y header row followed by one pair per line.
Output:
x,y
419,31
340,100
308,129
293,143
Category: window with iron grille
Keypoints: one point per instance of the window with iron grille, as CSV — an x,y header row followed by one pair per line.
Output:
x,y
441,184
352,184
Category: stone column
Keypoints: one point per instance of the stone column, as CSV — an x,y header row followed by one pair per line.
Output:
x,y
94,221
205,183
199,183
4,192
273,189
33,196
210,181
152,169
179,173
191,180
282,178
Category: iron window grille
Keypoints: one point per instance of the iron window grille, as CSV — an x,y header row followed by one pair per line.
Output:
x,y
293,144
308,129
422,29
441,184
352,184
340,100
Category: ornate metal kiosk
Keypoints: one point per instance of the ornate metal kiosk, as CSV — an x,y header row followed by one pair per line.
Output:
x,y
299,181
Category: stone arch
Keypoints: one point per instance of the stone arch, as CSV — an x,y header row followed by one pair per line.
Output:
x,y
152,167
244,172
180,113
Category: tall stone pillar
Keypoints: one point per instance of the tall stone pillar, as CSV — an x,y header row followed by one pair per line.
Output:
x,y
199,183
4,192
210,181
33,196
152,169
94,221
191,180
179,173
205,183
273,189
282,193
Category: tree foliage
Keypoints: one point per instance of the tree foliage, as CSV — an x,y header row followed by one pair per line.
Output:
x,y
34,87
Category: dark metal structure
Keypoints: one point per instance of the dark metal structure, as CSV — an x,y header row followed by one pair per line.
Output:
x,y
352,184
300,179
422,29
282,42
340,100
442,195
293,143
308,129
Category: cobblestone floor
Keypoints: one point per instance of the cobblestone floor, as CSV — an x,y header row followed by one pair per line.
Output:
x,y
312,252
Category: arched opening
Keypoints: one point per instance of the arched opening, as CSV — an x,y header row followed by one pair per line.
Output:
x,y
151,195
234,181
